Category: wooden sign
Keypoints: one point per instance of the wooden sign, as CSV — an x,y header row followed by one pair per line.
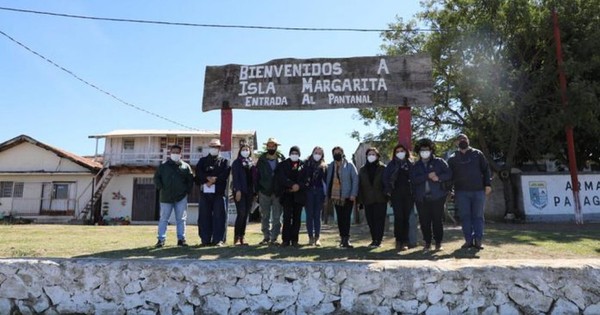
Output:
x,y
298,84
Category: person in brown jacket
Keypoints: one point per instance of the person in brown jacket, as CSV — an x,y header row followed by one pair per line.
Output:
x,y
372,196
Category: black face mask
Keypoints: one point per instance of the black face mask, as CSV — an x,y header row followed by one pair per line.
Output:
x,y
271,151
463,144
337,157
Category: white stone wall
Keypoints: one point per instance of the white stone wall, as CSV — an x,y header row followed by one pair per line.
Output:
x,y
99,286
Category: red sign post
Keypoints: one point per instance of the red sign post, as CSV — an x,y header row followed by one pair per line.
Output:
x,y
568,128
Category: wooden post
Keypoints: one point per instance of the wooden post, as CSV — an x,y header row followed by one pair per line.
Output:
x,y
226,130
404,128
568,128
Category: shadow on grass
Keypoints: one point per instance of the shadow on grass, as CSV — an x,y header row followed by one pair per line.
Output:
x,y
325,253
329,252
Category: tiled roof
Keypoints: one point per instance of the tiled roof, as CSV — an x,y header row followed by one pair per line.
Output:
x,y
85,162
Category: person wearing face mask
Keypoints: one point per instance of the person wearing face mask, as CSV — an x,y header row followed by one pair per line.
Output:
x,y
397,186
472,182
174,179
270,208
342,189
291,181
372,196
212,172
427,175
316,170
242,178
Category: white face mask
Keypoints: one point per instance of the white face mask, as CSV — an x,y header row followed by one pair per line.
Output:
x,y
401,155
294,157
372,158
425,154
245,153
175,157
317,157
213,151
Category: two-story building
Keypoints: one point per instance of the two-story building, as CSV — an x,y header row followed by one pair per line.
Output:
x,y
129,160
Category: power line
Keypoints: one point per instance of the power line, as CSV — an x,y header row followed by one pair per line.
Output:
x,y
96,87
279,28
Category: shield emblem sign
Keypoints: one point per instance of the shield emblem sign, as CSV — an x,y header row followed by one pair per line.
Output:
x,y
538,194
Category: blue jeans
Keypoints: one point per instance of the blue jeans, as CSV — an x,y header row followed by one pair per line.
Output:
x,y
314,206
470,209
180,208
212,218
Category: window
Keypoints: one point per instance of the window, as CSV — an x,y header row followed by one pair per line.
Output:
x,y
11,189
6,189
60,191
18,190
128,144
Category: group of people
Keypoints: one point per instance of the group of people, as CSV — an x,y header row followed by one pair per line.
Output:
x,y
286,186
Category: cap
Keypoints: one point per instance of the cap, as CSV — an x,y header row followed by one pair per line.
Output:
x,y
295,149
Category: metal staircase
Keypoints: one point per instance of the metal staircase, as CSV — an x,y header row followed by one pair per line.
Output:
x,y
98,190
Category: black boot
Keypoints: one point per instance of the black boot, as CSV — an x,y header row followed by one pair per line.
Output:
x,y
346,242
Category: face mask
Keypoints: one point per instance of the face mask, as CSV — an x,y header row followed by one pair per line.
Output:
x,y
463,144
401,155
317,157
245,153
271,151
213,151
372,158
425,154
337,157
175,157
294,157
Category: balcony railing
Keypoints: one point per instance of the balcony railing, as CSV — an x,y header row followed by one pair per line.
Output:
x,y
142,159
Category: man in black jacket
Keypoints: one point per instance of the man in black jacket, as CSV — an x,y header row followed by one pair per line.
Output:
x,y
212,172
472,182
174,180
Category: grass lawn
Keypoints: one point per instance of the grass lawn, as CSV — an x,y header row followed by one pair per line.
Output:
x,y
502,241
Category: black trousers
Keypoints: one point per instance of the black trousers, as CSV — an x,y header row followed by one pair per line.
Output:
x,y
375,214
431,213
242,208
291,223
402,205
344,215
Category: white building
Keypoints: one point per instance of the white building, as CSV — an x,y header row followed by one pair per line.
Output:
x,y
42,182
130,159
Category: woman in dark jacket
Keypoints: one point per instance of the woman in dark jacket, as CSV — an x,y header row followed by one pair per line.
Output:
x,y
371,195
315,169
242,175
397,186
291,186
426,176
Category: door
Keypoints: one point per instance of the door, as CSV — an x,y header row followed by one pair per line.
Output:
x,y
145,200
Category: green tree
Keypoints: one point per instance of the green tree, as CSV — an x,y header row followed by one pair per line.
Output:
x,y
495,78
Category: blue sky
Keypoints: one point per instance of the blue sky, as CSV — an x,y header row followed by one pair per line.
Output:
x,y
161,68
